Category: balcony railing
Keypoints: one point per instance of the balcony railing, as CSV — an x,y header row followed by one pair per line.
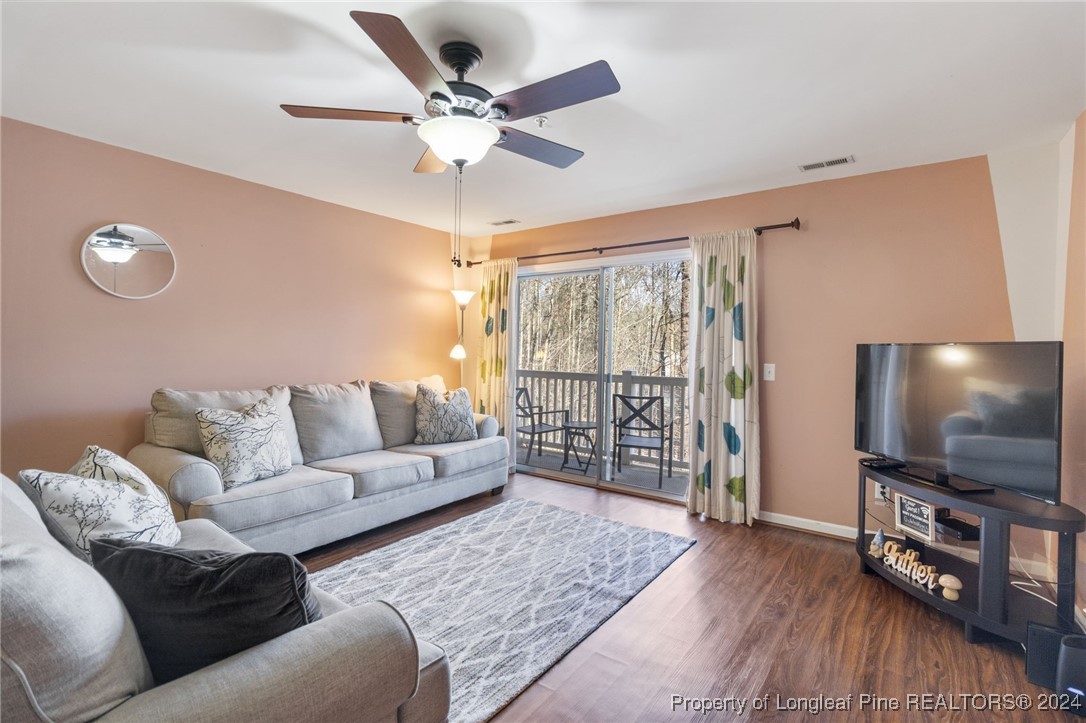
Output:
x,y
579,393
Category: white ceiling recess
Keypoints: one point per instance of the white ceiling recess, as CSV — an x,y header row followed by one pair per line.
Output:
x,y
717,98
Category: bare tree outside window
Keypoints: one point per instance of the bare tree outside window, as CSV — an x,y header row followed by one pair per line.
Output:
x,y
652,303
559,318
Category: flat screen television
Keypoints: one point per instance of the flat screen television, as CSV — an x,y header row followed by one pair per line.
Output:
x,y
986,412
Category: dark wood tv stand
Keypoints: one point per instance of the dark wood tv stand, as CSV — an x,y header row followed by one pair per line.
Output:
x,y
989,606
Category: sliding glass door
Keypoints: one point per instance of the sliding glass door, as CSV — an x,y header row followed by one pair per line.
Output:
x,y
602,375
650,306
558,378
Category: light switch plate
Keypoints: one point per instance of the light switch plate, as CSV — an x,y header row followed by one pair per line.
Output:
x,y
769,372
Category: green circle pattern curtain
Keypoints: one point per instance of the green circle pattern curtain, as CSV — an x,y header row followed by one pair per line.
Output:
x,y
724,465
495,382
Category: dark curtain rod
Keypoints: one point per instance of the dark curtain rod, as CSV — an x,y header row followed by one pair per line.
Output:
x,y
794,223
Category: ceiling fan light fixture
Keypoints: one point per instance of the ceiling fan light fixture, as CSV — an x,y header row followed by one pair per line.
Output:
x,y
459,140
114,246
114,254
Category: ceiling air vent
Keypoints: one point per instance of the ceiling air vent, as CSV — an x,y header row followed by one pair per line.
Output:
x,y
506,222
826,164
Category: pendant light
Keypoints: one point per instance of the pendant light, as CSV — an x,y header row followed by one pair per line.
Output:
x,y
463,298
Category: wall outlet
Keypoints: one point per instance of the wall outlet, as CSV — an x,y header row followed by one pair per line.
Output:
x,y
769,372
882,492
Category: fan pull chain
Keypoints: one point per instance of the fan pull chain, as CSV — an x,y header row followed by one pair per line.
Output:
x,y
458,213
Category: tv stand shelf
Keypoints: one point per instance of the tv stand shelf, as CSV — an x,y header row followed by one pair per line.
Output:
x,y
988,604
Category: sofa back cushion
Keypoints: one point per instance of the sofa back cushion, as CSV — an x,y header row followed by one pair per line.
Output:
x,y
173,416
395,405
334,420
70,649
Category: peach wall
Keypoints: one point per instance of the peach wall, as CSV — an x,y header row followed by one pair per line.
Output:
x,y
906,255
271,287
1074,351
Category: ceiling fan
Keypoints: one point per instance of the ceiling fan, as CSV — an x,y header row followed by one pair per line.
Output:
x,y
115,246
460,123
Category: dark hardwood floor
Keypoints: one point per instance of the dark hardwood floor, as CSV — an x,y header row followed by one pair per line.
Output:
x,y
744,614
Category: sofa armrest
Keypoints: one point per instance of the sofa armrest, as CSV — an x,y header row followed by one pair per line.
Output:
x,y
486,425
359,665
185,477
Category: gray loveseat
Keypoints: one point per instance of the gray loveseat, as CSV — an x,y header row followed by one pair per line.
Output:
x,y
355,463
71,652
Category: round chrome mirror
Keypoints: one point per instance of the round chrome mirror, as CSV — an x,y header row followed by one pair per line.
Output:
x,y
128,261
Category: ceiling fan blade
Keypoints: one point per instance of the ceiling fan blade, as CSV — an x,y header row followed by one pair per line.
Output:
x,y
588,82
395,41
430,163
311,111
538,149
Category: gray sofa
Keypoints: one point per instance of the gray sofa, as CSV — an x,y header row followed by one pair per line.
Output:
x,y
1019,461
71,653
355,463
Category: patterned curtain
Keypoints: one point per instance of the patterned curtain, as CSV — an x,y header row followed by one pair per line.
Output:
x,y
724,467
497,377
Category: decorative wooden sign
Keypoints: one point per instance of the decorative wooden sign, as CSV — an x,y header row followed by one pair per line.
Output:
x,y
907,562
914,517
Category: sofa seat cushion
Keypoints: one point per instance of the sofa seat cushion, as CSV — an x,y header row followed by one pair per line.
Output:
x,y
381,471
301,490
71,652
1026,464
456,457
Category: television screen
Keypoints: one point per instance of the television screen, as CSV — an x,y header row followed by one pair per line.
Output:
x,y
984,412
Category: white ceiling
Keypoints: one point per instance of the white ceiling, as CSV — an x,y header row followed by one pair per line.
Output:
x,y
717,98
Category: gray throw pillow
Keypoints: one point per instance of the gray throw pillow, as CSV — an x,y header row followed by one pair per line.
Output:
x,y
440,419
103,495
204,605
246,445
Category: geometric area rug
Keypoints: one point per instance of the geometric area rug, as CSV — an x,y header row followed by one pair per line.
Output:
x,y
506,591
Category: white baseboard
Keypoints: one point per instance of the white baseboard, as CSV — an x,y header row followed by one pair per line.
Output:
x,y
801,523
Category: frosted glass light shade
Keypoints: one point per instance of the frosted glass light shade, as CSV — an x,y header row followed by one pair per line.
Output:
x,y
459,138
114,254
463,297
458,352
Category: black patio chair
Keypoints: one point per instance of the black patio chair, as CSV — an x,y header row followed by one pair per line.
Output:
x,y
639,424
535,427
